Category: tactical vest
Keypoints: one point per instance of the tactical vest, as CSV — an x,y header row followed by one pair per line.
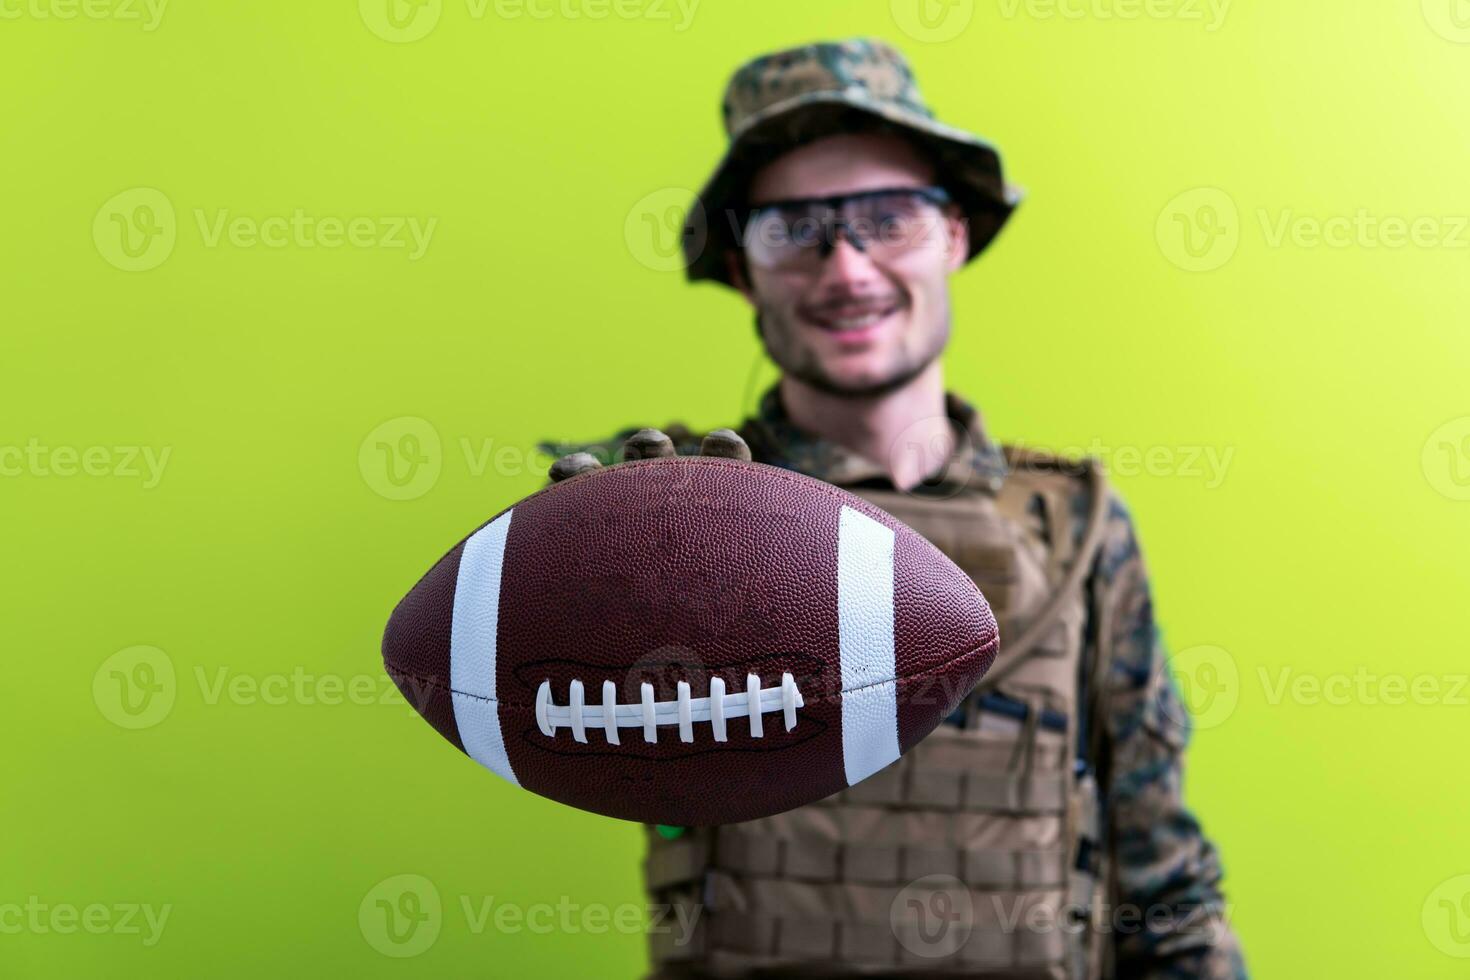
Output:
x,y
980,850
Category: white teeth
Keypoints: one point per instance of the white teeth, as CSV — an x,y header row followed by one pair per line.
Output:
x,y
852,322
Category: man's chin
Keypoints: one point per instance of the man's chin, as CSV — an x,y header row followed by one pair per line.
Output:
x,y
856,384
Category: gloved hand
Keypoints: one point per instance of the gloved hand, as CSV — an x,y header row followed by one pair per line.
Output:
x,y
652,444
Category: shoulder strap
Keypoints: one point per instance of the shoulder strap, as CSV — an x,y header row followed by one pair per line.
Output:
x,y
1019,649
1094,679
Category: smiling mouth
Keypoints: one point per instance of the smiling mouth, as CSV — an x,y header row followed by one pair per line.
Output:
x,y
851,319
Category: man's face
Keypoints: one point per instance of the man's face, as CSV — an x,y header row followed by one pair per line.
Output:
x,y
856,322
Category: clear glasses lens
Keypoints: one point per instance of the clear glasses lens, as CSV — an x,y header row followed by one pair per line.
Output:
x,y
885,225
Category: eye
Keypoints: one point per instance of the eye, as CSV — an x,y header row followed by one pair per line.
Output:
x,y
892,224
898,207
806,230
901,218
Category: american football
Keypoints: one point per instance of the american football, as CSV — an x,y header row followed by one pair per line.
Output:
x,y
689,641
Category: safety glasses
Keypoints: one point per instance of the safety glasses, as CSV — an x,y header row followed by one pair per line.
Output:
x,y
884,224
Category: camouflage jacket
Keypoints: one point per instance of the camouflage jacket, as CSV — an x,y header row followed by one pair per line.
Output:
x,y
1168,872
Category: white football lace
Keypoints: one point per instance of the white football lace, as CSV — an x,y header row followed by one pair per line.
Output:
x,y
683,711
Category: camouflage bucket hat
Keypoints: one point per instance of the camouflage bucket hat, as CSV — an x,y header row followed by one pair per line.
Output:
x,y
779,101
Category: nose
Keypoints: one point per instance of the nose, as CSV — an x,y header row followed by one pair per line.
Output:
x,y
846,265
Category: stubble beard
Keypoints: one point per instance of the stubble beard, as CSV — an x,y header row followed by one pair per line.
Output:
x,y
803,364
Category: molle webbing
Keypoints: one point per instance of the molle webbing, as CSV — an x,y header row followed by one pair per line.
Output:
x,y
862,937
993,805
821,861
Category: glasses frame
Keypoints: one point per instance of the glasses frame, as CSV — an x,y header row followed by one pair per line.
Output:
x,y
934,195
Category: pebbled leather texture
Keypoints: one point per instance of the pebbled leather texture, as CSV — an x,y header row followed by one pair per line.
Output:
x,y
686,569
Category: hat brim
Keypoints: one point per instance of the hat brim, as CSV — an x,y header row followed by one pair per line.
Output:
x,y
969,168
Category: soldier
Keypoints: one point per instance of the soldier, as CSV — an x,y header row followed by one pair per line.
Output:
x,y
1042,831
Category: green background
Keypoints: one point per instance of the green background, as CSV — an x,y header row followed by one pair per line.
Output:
x,y
547,148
